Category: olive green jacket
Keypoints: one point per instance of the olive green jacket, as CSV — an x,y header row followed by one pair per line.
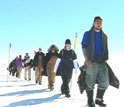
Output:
x,y
113,80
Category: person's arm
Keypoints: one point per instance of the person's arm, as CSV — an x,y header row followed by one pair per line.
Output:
x,y
88,62
34,60
57,65
85,54
85,44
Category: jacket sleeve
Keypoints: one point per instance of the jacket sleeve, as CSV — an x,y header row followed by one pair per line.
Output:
x,y
86,40
60,55
34,61
74,55
47,58
76,66
57,65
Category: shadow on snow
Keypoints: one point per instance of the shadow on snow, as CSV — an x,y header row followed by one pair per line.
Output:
x,y
26,92
18,85
30,102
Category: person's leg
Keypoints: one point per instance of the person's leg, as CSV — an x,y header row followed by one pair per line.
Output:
x,y
25,76
10,72
29,73
36,74
103,83
66,77
19,72
13,72
90,81
90,98
48,73
91,76
63,86
52,79
40,75
16,73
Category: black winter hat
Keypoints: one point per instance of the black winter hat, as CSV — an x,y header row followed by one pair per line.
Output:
x,y
68,41
97,17
20,56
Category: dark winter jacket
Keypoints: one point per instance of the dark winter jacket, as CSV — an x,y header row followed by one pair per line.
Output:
x,y
35,62
67,57
31,63
13,66
26,61
113,80
67,54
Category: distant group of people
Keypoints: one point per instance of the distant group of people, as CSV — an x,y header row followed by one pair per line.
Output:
x,y
95,50
49,65
16,66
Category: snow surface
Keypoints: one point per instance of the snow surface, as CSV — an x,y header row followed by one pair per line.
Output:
x,y
21,93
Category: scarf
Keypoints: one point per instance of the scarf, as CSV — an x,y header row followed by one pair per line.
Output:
x,y
104,56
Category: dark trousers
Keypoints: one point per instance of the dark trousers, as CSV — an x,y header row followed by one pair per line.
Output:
x,y
66,74
13,72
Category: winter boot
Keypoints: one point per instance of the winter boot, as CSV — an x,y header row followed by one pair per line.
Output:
x,y
99,100
62,90
90,98
40,83
36,81
68,95
52,88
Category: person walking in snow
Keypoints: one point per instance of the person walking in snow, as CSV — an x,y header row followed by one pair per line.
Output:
x,y
66,62
19,65
13,68
27,68
95,50
38,62
51,58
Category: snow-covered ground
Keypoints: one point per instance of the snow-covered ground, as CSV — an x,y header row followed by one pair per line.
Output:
x,y
21,93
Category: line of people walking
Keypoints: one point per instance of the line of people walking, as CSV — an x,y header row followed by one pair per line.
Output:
x,y
46,64
95,51
16,66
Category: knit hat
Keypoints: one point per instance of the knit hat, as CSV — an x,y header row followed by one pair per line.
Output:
x,y
40,49
97,17
68,41
20,56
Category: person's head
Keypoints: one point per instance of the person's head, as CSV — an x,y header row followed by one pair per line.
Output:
x,y
98,23
20,56
16,58
27,55
53,49
67,44
40,50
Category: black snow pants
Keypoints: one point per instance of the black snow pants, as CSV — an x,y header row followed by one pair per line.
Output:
x,y
66,69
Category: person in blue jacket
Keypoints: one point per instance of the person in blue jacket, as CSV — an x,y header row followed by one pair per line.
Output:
x,y
95,50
